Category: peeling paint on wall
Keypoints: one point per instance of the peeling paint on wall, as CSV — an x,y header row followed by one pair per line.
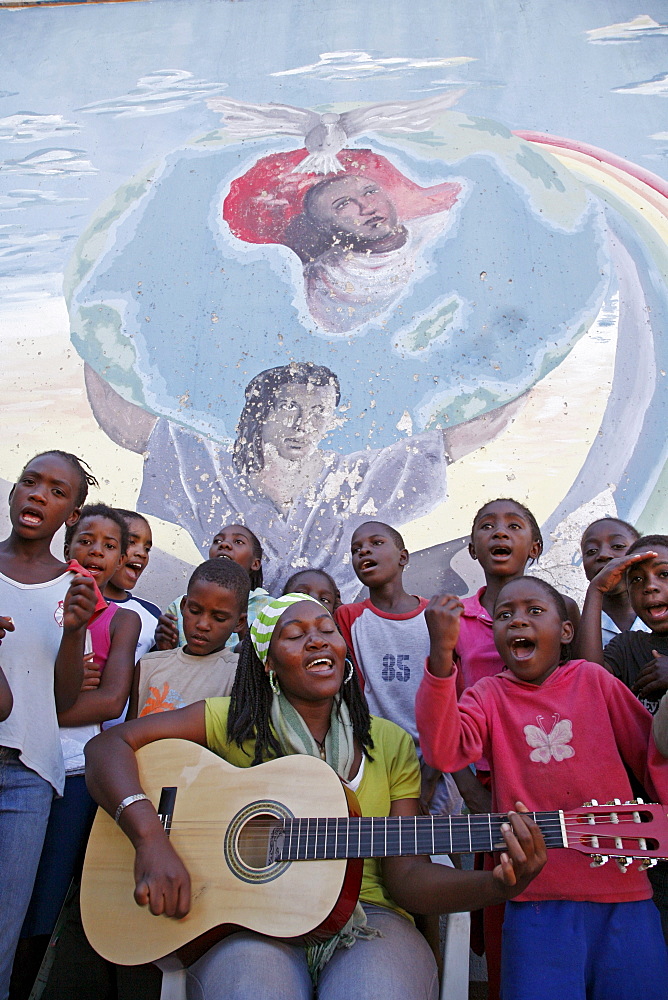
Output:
x,y
281,265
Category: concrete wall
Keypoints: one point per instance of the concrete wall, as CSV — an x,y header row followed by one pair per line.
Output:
x,y
478,284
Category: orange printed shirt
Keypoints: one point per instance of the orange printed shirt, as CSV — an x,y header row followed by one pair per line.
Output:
x,y
171,678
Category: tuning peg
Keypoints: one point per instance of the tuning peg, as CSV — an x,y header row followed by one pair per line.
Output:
x,y
635,802
614,802
623,864
598,859
646,863
593,802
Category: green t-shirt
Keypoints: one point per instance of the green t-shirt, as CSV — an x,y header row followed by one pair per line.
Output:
x,y
394,773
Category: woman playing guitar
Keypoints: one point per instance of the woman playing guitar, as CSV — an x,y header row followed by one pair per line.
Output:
x,y
295,693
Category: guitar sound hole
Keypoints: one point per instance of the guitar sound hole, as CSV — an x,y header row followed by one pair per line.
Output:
x,y
255,843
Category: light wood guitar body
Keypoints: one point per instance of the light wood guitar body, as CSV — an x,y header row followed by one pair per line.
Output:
x,y
214,804
278,849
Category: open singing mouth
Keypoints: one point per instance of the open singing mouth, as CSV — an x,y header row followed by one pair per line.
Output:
x,y
522,647
321,663
501,550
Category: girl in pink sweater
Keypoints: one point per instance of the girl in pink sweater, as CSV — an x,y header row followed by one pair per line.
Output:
x,y
557,732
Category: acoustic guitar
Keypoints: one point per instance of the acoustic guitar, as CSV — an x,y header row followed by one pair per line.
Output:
x,y
279,848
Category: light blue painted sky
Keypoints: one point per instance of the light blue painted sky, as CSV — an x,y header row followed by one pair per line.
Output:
x,y
86,100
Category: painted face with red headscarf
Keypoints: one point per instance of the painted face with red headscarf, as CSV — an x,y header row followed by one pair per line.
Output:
x,y
352,205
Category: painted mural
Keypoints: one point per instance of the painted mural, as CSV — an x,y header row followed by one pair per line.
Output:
x,y
287,266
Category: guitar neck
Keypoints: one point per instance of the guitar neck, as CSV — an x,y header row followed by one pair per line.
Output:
x,y
383,837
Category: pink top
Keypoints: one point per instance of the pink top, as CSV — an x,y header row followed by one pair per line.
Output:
x,y
99,633
555,745
475,654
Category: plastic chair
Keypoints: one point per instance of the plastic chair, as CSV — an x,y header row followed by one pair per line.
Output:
x,y
455,948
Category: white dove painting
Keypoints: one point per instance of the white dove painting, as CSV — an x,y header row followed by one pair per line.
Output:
x,y
356,223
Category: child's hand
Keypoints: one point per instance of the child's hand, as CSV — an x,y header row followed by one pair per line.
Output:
x,y
79,603
526,853
166,632
442,618
653,678
429,777
91,673
477,798
613,572
6,625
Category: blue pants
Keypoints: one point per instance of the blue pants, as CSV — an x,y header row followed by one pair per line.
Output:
x,y
397,966
25,801
67,832
561,950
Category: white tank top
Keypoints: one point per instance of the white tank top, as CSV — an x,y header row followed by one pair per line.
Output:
x,y
28,657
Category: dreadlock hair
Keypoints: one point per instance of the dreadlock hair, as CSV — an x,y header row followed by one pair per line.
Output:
x,y
559,602
648,542
86,477
99,510
536,535
250,708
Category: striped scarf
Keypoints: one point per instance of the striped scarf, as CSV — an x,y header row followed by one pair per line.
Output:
x,y
294,736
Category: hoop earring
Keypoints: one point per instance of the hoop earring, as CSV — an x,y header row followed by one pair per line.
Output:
x,y
273,682
351,670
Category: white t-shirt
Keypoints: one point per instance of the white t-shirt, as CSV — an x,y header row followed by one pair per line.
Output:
x,y
28,657
390,651
609,630
148,614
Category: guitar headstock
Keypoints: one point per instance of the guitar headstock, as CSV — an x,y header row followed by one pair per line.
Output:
x,y
625,831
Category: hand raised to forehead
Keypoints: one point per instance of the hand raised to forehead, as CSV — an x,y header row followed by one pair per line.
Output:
x,y
613,572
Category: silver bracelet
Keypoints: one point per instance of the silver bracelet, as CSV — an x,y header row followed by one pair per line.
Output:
x,y
128,802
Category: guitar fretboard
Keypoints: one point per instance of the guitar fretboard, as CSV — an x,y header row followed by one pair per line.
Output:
x,y
380,837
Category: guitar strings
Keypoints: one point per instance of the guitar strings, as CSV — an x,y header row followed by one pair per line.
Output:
x,y
550,824
555,824
585,832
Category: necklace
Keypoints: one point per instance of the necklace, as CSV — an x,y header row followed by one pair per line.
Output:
x,y
321,745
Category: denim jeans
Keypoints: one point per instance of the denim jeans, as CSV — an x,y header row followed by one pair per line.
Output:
x,y
397,966
67,832
25,802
